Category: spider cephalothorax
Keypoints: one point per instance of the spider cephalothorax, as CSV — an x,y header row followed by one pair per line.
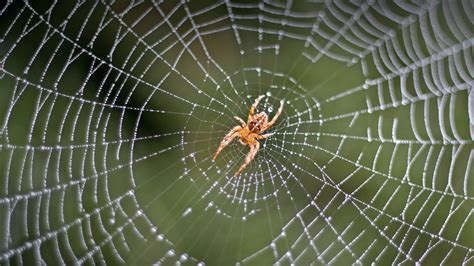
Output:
x,y
249,132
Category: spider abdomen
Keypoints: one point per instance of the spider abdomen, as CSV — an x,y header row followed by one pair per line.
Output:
x,y
255,127
257,121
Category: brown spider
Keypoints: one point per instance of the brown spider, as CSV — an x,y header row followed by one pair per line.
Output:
x,y
250,132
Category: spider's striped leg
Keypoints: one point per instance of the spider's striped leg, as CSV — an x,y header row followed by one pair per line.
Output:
x,y
264,136
234,132
274,119
242,122
254,106
253,151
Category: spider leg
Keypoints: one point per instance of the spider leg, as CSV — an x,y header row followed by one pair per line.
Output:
x,y
274,119
254,106
241,121
234,132
264,136
253,151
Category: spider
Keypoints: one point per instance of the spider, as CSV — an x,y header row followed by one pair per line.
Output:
x,y
250,132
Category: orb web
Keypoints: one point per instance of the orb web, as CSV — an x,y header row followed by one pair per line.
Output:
x,y
111,111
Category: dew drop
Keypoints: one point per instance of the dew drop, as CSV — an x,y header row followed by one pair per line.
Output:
x,y
187,211
183,257
171,253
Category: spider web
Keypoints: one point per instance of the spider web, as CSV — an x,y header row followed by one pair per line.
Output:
x,y
110,112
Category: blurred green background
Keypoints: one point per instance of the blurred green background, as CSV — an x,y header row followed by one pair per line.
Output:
x,y
111,111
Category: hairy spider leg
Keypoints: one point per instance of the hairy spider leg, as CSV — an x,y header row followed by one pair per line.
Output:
x,y
254,147
227,139
241,121
264,136
254,106
274,119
